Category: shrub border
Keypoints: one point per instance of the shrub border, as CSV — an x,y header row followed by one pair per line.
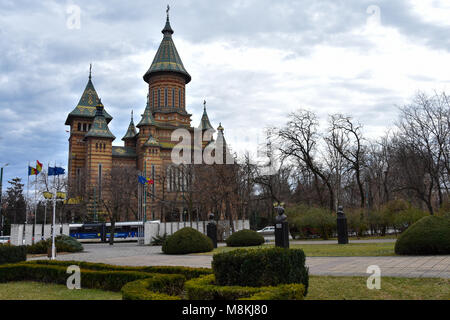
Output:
x,y
203,288
159,287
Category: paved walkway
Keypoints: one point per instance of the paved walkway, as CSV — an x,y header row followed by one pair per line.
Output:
x,y
129,254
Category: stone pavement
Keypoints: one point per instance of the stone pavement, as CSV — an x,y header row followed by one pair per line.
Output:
x,y
129,254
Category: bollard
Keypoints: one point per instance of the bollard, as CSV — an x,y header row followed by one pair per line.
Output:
x,y
342,226
211,230
281,229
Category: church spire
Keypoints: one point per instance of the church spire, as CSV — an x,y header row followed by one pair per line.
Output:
x,y
86,107
204,123
147,117
167,58
167,31
99,127
131,132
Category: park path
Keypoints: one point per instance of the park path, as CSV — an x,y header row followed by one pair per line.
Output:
x,y
129,254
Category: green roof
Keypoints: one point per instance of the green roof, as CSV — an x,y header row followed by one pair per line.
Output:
x,y
131,132
204,123
99,127
167,58
147,117
86,106
126,152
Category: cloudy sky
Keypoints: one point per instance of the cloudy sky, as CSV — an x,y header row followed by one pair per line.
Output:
x,y
254,61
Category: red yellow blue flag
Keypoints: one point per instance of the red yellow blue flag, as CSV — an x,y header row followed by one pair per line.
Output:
x,y
143,180
32,171
38,166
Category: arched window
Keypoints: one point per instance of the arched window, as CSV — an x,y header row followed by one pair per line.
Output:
x,y
179,98
79,126
100,180
84,126
166,100
96,146
153,98
173,97
159,98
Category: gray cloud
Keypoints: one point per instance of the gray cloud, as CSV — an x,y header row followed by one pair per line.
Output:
x,y
44,65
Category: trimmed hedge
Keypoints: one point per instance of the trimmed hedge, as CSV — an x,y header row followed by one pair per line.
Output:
x,y
429,235
187,240
245,238
104,280
187,272
12,254
204,288
63,243
159,287
260,267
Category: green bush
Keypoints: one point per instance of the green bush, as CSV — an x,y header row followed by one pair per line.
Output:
x,y
63,243
159,287
187,272
405,218
357,221
245,238
318,221
12,254
261,267
204,288
429,235
187,240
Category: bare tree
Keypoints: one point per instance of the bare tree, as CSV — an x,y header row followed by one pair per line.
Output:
x,y
298,140
120,184
346,138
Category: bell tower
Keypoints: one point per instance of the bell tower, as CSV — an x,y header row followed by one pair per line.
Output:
x,y
167,79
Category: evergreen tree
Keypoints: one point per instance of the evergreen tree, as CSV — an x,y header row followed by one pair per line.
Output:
x,y
15,203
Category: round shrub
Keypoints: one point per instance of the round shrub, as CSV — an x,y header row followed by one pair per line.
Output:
x,y
63,243
187,240
260,267
245,238
429,235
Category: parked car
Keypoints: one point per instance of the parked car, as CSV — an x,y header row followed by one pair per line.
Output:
x,y
267,231
4,239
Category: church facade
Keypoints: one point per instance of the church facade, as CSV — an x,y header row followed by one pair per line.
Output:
x,y
147,146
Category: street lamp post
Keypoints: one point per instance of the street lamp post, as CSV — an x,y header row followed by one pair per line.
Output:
x,y
57,196
1,191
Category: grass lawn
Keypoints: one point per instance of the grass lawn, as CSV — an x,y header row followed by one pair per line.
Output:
x,y
328,250
320,288
355,288
389,236
25,290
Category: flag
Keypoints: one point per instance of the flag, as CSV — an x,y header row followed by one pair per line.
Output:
x,y
38,166
32,171
144,180
55,171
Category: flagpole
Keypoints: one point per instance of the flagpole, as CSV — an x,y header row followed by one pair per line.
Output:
x,y
145,192
35,205
28,191
54,217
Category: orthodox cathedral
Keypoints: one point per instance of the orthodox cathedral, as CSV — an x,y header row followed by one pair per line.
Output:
x,y
147,146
